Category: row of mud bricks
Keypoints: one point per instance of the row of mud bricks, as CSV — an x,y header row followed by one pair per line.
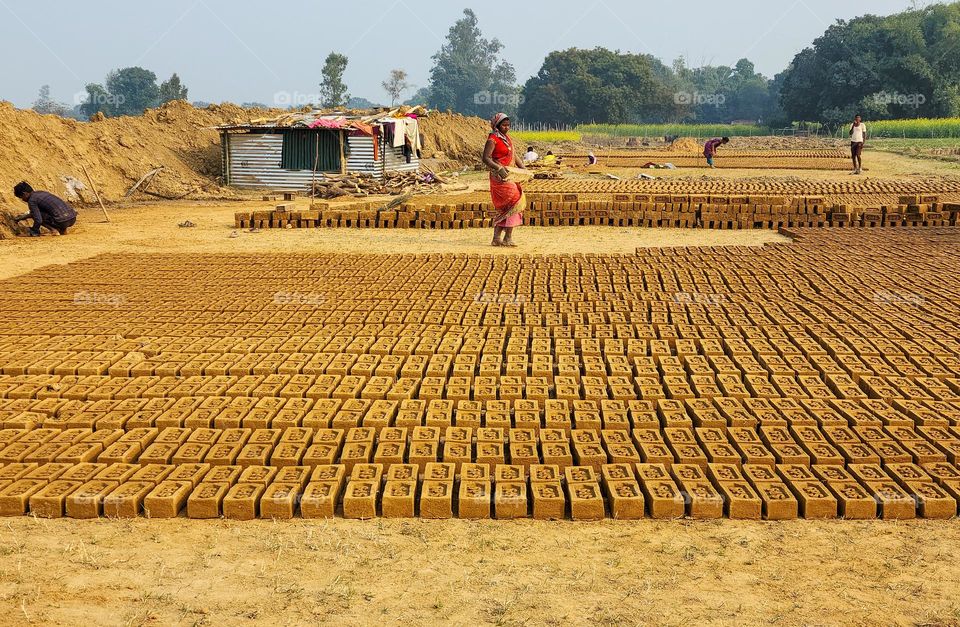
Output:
x,y
729,212
478,491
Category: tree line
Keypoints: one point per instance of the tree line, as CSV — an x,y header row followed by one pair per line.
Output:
x,y
905,65
126,91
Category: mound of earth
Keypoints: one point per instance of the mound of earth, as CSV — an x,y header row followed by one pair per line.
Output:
x,y
47,150
686,144
50,152
454,137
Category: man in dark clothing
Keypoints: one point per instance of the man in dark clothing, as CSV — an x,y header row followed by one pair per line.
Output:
x,y
45,209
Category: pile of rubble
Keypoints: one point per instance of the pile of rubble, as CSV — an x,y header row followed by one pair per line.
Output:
x,y
359,185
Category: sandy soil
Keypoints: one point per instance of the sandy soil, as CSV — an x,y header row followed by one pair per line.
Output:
x,y
390,572
153,228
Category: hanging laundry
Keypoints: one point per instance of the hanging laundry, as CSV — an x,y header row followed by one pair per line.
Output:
x,y
400,133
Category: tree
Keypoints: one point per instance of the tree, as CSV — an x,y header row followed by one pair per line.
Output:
x,y
333,91
599,85
421,97
396,85
98,100
133,89
47,105
902,65
172,89
468,74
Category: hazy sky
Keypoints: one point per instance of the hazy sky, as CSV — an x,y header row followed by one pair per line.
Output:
x,y
249,51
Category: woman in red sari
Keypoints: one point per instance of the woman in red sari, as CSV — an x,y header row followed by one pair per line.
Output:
x,y
508,199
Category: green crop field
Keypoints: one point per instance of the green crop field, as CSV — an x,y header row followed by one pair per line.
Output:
x,y
941,128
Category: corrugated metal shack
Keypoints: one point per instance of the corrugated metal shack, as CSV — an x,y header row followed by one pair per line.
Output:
x,y
290,151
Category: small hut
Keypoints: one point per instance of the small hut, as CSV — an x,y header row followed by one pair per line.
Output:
x,y
295,149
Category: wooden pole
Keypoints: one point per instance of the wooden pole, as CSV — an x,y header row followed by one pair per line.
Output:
x,y
95,192
316,164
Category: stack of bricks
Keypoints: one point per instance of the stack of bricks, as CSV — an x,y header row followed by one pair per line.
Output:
x,y
645,210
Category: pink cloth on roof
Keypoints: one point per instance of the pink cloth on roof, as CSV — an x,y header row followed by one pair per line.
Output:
x,y
328,123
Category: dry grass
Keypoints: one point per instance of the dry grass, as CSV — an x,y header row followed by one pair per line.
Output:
x,y
504,573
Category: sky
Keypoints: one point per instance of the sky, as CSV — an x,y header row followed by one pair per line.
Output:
x,y
239,51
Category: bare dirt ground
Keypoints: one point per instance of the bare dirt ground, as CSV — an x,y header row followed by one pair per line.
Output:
x,y
184,572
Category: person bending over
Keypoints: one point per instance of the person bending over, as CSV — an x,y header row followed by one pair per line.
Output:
x,y
46,210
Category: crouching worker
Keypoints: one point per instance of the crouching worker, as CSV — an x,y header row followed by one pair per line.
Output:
x,y
45,209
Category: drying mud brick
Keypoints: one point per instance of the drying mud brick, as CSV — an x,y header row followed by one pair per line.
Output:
x,y
436,499
167,499
894,502
815,500
126,500
83,472
223,474
401,472
360,500
778,502
580,474
261,475
399,499
475,472
548,500
87,500
51,500
194,473
853,500
280,501
49,471
423,453
509,473
704,501
298,475
510,500
586,501
541,473
118,472
242,501
932,500
320,498
625,498
742,501
474,498
206,500
15,497
437,471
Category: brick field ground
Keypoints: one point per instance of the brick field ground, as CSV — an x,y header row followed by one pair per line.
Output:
x,y
818,379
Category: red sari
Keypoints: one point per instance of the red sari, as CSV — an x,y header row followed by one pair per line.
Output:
x,y
507,196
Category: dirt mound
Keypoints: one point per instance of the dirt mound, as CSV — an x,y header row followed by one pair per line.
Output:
x,y
686,144
8,226
457,137
44,149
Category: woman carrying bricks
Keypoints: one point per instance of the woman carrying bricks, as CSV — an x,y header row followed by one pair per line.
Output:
x,y
508,198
